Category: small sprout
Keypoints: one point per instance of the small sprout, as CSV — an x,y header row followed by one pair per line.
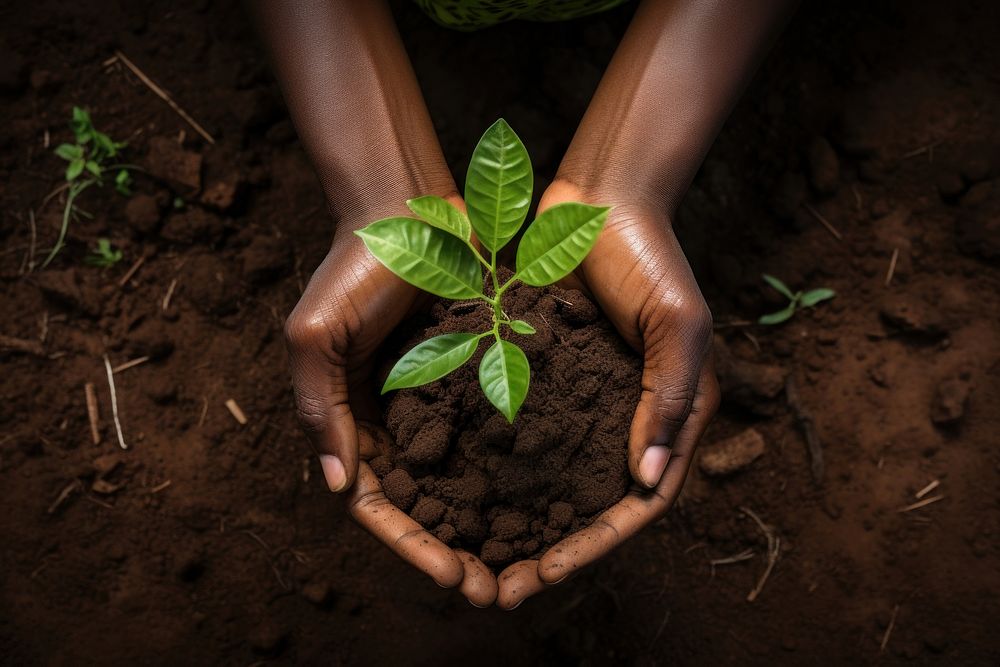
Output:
x,y
434,252
88,160
104,255
796,300
178,203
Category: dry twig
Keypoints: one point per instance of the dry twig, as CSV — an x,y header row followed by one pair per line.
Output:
x,y
236,411
927,489
773,551
22,345
69,489
823,221
170,293
888,630
805,422
132,271
921,503
132,363
892,266
163,95
92,413
114,402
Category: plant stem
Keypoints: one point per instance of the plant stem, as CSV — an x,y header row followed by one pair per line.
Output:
x,y
74,191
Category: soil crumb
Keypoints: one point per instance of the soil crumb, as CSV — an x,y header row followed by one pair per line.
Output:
x,y
510,491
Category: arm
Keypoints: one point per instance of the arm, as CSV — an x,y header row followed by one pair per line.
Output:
x,y
359,112
672,82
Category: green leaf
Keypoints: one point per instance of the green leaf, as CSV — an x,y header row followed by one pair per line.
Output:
x,y
498,186
431,360
425,256
778,285
69,151
504,376
557,241
812,297
778,317
103,142
74,169
122,182
438,212
93,168
522,327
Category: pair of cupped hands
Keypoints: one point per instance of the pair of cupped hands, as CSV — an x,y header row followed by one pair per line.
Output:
x,y
638,275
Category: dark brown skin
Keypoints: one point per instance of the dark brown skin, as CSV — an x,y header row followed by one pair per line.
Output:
x,y
360,114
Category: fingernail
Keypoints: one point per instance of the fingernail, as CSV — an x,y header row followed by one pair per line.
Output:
x,y
333,471
653,463
477,606
517,605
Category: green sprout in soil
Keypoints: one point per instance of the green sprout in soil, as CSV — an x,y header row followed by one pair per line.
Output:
x,y
436,253
796,300
104,255
90,159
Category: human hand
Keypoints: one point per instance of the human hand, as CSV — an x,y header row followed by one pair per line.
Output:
x,y
639,276
351,304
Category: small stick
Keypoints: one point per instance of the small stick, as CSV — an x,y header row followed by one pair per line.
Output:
x,y
34,237
163,95
204,411
888,630
22,345
92,413
130,364
43,327
132,271
236,411
170,292
729,560
114,402
892,266
826,223
927,489
63,495
805,422
733,323
561,300
160,487
773,551
922,503
857,197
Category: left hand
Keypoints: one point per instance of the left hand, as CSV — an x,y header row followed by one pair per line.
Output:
x,y
639,276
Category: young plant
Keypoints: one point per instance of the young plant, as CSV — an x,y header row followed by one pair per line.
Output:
x,y
104,255
435,252
88,157
796,301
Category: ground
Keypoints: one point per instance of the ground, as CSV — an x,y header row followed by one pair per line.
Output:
x,y
208,541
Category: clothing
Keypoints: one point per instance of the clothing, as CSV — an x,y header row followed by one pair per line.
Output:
x,y
473,14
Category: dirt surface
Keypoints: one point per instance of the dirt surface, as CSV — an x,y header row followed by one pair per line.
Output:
x,y
510,491
209,541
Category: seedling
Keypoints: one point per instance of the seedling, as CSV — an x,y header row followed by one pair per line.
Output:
x,y
104,255
88,160
435,252
796,300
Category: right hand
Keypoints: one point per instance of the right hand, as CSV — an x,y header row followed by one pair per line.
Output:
x,y
351,304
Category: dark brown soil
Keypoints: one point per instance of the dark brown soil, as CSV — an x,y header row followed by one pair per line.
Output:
x,y
509,491
245,556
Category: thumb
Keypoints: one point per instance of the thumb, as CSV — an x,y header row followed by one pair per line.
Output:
x,y
321,400
669,385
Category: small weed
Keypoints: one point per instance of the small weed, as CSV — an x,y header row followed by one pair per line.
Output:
x,y
104,255
90,159
796,300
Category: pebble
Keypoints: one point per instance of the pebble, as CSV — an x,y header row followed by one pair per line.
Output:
x,y
732,454
950,398
318,592
142,213
169,161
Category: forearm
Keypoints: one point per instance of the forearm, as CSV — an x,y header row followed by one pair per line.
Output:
x,y
356,104
669,87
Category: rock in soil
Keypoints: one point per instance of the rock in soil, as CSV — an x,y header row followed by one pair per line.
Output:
x,y
193,225
142,213
524,486
950,398
170,162
748,384
732,454
913,316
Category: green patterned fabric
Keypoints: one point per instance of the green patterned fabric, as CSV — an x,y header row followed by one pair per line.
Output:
x,y
473,14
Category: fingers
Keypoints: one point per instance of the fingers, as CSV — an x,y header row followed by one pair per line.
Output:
x,y
320,381
639,508
479,585
407,538
670,379
518,582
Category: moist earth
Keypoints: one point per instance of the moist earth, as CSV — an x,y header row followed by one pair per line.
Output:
x,y
510,491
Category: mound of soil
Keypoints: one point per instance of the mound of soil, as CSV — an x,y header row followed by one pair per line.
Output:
x,y
510,491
